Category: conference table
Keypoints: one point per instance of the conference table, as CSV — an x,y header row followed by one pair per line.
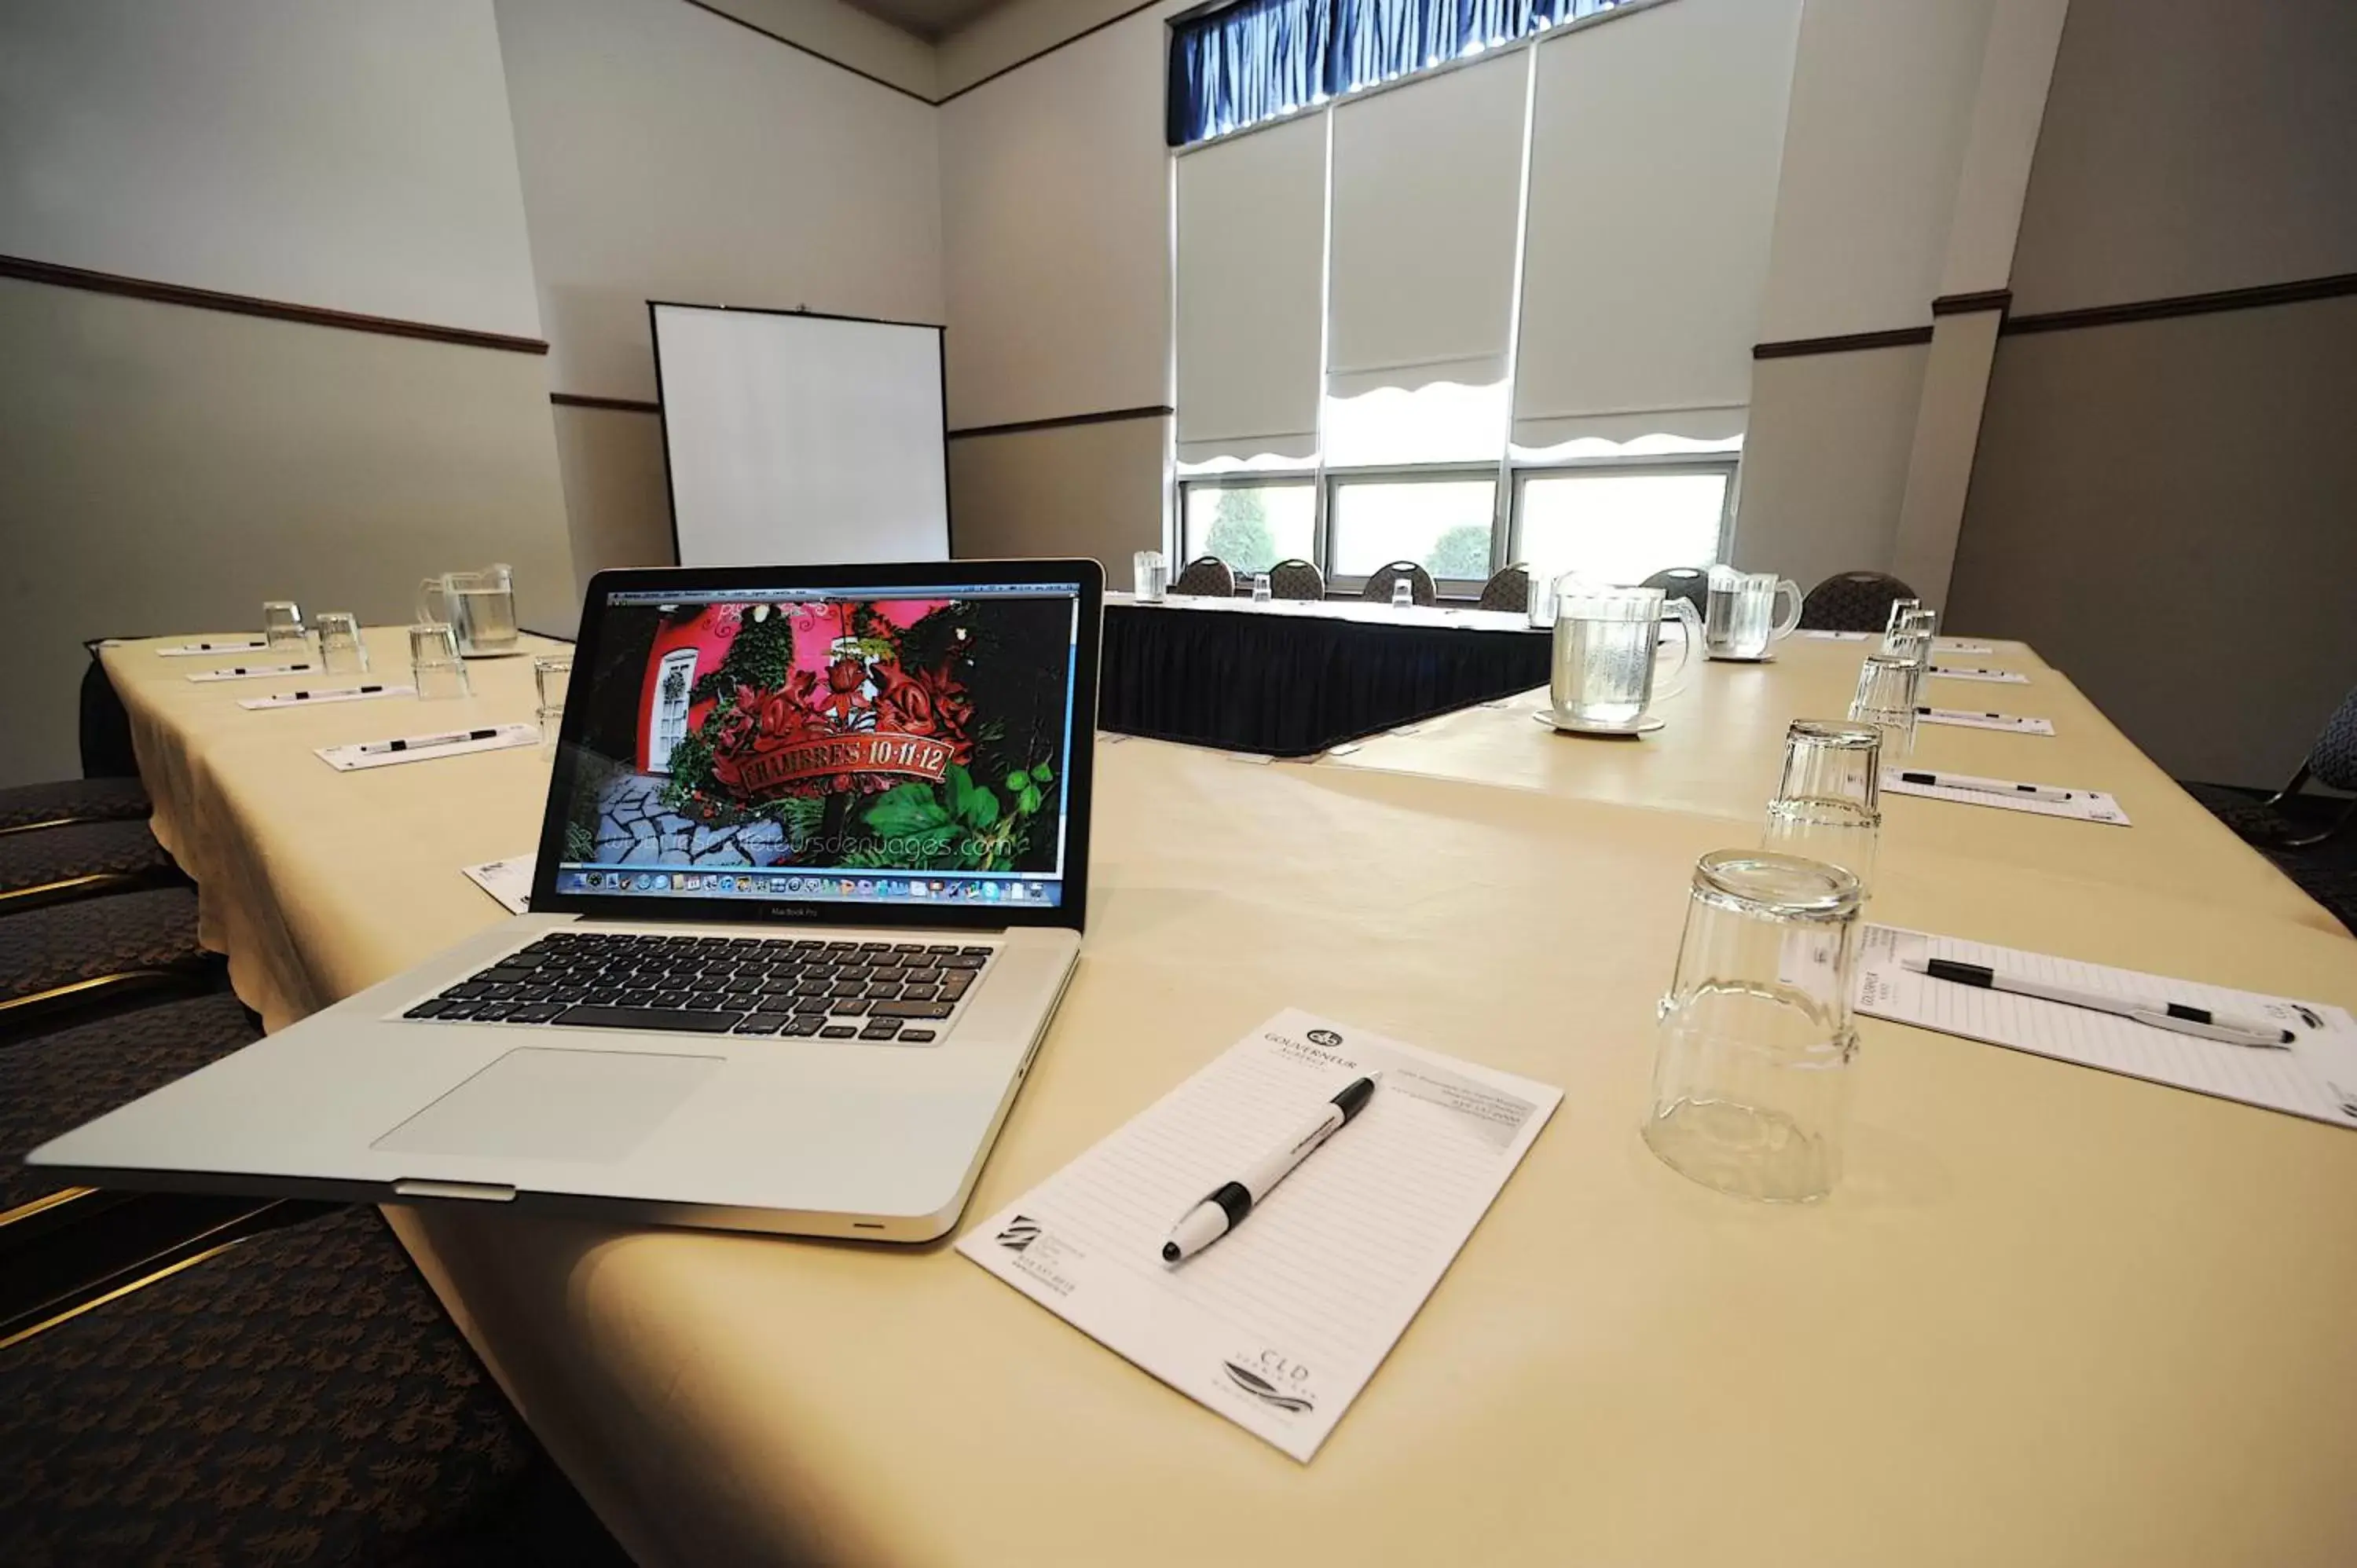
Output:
x,y
1293,677
2050,1315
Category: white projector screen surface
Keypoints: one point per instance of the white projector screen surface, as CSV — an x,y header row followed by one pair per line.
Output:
x,y
801,440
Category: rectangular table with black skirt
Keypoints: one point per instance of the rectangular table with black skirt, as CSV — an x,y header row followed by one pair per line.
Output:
x,y
1290,677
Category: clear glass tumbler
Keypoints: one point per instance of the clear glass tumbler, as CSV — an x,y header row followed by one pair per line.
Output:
x,y
341,651
1899,610
434,663
1260,587
1151,576
1887,689
282,628
1402,593
1755,1040
1828,804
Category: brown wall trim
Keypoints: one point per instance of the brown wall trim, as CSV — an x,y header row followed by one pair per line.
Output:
x,y
619,404
1966,304
1110,416
2293,293
805,49
1042,54
1794,347
270,309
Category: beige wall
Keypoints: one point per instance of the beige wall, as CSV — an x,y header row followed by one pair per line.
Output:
x,y
614,498
2167,509
1825,465
1079,489
169,468
2190,474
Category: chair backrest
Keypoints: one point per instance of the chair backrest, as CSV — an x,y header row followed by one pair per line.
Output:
x,y
1206,576
2333,759
1509,588
1691,584
1378,586
1853,601
1296,579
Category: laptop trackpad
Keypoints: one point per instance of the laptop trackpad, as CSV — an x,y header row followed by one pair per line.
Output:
x,y
592,1107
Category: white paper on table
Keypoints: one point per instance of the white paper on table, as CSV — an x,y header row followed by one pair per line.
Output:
x,y
350,758
229,645
1842,636
1969,719
1979,673
2085,805
509,881
2316,1077
1958,645
248,671
325,695
1280,1324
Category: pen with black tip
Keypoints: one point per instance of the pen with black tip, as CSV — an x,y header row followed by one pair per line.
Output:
x,y
425,743
2178,1017
1224,1207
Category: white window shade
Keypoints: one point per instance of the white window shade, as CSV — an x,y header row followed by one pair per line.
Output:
x,y
1428,179
1251,254
1655,145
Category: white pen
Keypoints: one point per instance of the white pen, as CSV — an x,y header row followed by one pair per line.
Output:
x,y
1965,712
424,743
1986,786
2177,1016
1224,1207
344,692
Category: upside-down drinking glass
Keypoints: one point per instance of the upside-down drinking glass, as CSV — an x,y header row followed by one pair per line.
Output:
x,y
1828,803
342,651
1886,699
1150,576
1755,1039
282,628
434,663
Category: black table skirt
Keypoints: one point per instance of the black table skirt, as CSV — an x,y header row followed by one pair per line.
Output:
x,y
1293,685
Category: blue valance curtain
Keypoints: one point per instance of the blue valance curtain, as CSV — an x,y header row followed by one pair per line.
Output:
x,y
1262,58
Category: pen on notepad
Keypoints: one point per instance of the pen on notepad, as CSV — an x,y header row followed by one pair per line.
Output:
x,y
1986,786
2180,1017
1960,711
1224,1207
425,742
345,691
263,670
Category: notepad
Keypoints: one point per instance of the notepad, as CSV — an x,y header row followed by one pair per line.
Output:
x,y
509,881
1958,645
227,644
2085,805
1278,1325
1842,636
248,671
2316,1078
1968,719
417,748
1979,673
325,695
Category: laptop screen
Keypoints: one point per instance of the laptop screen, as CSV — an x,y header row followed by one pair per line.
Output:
x,y
883,744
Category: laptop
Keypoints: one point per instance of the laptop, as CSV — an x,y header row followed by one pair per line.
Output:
x,y
813,872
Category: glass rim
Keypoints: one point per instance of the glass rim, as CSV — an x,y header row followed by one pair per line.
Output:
x,y
1841,735
1766,881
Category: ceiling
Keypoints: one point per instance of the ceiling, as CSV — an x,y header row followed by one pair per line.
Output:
x,y
928,19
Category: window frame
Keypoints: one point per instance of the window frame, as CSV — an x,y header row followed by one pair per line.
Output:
x,y
1308,479
1729,464
1480,470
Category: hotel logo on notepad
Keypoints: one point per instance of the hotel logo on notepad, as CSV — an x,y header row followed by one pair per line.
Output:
x,y
1272,1379
1020,1232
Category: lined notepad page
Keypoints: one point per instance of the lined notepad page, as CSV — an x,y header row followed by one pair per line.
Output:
x,y
2316,1078
1278,1325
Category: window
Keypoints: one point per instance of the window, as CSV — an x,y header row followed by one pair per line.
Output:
x,y
1622,523
1251,527
1441,522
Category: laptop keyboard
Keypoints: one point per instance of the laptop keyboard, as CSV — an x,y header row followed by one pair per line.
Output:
x,y
905,992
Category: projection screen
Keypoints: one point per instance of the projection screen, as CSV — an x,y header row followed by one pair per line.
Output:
x,y
799,439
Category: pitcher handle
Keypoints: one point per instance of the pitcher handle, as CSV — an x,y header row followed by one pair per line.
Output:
x,y
1690,633
432,606
1785,627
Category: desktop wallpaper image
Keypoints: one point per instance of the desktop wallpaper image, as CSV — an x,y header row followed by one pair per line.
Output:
x,y
900,734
